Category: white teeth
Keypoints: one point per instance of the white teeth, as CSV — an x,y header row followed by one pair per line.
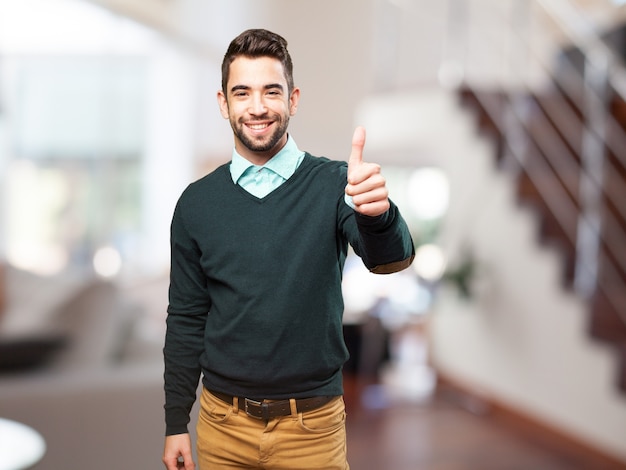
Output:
x,y
257,127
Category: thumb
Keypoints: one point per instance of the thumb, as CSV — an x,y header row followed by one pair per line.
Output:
x,y
358,142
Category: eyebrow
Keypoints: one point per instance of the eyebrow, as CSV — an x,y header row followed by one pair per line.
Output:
x,y
269,86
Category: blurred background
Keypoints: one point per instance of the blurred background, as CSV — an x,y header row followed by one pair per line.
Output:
x,y
500,126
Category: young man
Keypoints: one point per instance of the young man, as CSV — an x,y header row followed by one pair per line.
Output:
x,y
255,306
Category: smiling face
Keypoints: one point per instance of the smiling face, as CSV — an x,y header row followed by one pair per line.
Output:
x,y
258,104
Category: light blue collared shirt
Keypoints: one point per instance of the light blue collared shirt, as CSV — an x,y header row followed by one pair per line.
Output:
x,y
260,180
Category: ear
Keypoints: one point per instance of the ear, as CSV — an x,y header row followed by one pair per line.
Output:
x,y
223,104
293,101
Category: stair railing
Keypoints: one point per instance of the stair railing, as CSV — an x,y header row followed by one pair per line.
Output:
x,y
604,73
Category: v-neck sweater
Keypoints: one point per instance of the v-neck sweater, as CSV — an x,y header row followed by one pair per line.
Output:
x,y
255,301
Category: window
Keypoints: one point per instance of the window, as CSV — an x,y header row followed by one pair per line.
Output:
x,y
96,137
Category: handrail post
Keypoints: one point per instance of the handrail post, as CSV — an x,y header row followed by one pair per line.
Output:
x,y
593,155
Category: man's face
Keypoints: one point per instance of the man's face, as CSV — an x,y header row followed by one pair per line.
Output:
x,y
258,105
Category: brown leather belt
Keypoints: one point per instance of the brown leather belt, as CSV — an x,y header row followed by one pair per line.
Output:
x,y
274,408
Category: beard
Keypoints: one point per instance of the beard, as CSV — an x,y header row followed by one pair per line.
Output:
x,y
261,144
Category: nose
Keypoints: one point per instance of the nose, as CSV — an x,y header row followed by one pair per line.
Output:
x,y
257,105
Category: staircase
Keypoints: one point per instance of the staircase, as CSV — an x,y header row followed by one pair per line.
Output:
x,y
565,146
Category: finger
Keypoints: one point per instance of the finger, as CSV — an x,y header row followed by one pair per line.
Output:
x,y
375,195
358,142
171,464
365,172
188,462
373,209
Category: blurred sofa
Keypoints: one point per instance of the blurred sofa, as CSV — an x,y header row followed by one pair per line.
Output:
x,y
78,367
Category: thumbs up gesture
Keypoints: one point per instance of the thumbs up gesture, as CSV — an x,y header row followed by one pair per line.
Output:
x,y
366,185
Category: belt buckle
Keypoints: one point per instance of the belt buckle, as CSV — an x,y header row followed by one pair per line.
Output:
x,y
264,408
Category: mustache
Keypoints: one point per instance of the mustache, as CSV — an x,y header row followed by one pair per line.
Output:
x,y
258,119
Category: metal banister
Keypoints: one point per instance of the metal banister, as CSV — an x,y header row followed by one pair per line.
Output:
x,y
604,73
583,35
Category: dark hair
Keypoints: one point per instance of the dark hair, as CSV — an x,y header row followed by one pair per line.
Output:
x,y
255,43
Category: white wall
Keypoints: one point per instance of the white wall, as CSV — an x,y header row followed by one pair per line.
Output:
x,y
522,340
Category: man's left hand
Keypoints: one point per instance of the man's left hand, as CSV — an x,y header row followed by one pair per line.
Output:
x,y
366,185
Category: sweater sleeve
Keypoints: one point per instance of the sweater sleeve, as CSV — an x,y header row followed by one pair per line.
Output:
x,y
188,307
384,242
183,346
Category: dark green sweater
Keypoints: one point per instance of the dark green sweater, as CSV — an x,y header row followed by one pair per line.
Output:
x,y
255,299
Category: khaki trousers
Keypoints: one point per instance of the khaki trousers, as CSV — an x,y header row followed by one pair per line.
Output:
x,y
230,439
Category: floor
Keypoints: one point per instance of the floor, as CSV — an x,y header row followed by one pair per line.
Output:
x,y
444,433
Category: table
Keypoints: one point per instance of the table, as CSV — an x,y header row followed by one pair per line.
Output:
x,y
21,447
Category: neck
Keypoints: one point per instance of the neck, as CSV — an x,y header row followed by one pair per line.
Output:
x,y
256,157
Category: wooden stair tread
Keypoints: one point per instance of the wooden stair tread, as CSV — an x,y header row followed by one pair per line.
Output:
x,y
540,182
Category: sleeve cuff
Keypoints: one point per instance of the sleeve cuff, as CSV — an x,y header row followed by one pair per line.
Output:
x,y
394,267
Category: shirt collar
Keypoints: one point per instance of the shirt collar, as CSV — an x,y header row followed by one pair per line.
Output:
x,y
284,163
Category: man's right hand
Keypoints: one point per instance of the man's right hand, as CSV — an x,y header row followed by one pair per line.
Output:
x,y
178,445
